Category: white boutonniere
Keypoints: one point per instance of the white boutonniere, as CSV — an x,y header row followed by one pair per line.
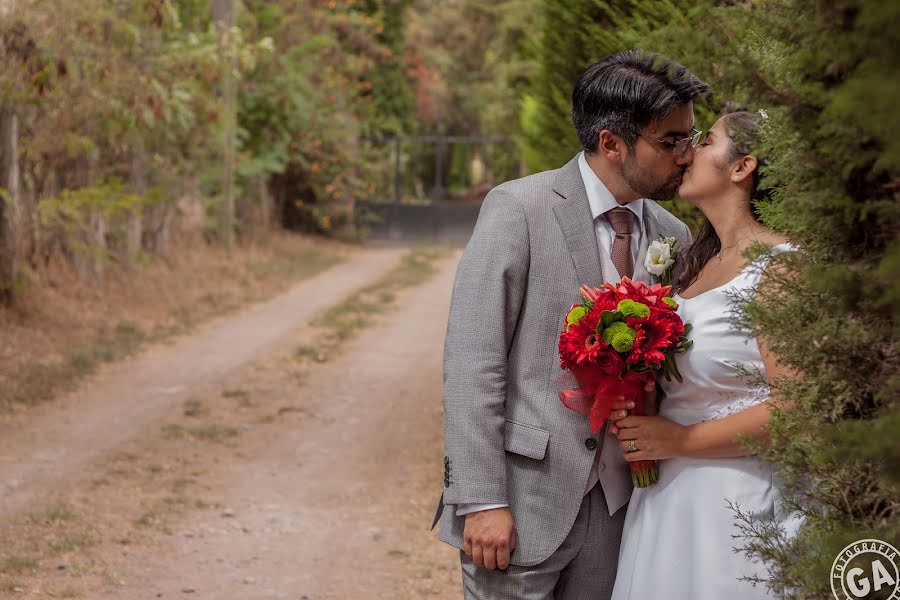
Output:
x,y
661,256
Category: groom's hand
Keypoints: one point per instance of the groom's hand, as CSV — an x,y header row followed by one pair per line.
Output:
x,y
489,537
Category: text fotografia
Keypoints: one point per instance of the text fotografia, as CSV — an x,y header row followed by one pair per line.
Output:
x,y
866,569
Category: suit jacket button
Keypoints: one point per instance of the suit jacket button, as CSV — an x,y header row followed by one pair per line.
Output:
x,y
591,443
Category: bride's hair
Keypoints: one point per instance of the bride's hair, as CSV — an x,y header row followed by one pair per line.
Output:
x,y
744,131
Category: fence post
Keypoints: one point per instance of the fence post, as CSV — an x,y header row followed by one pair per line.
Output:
x,y
439,191
9,202
397,169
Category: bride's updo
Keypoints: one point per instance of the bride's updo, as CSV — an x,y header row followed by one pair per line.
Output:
x,y
744,130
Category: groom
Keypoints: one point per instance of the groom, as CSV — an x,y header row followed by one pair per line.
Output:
x,y
532,498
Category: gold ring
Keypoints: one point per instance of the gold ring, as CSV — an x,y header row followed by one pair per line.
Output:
x,y
631,446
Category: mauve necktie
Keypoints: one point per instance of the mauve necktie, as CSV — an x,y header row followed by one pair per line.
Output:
x,y
622,221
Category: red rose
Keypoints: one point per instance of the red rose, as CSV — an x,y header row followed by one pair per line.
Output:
x,y
610,362
605,301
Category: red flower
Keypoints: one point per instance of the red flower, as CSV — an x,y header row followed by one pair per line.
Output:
x,y
608,302
601,372
660,331
602,299
581,344
610,362
651,295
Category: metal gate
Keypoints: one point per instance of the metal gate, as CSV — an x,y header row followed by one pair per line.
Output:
x,y
435,223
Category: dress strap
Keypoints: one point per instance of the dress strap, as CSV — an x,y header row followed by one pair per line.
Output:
x,y
751,274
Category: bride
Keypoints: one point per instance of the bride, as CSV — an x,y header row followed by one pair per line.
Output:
x,y
678,542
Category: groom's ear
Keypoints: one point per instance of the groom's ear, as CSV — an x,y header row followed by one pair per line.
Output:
x,y
610,146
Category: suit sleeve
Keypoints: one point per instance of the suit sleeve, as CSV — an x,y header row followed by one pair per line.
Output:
x,y
689,238
487,298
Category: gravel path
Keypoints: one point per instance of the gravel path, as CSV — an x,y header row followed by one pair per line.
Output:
x,y
339,506
333,503
119,402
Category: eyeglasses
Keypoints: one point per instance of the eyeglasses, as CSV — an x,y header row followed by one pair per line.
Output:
x,y
679,147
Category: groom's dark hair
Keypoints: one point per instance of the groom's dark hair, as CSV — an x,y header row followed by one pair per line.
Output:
x,y
627,91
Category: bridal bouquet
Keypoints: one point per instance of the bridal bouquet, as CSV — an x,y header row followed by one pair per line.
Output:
x,y
616,340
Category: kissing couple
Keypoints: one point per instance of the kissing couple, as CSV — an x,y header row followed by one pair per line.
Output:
x,y
540,506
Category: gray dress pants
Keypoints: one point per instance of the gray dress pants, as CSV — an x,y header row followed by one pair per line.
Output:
x,y
582,568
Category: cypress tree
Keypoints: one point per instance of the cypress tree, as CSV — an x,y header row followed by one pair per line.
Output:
x,y
828,82
572,36
390,90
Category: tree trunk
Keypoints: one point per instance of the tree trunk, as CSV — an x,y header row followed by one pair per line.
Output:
x,y
134,226
265,203
97,244
223,16
9,202
223,12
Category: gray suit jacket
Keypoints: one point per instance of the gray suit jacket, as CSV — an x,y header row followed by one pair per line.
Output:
x,y
507,437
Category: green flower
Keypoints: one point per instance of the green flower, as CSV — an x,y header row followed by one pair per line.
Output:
x,y
575,315
620,336
630,308
670,302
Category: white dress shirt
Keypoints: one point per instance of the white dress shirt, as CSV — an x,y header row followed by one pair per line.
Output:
x,y
601,202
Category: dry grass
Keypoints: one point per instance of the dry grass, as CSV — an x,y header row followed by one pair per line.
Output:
x,y
343,321
19,564
63,328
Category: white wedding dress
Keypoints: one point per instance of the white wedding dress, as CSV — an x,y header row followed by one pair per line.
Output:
x,y
677,543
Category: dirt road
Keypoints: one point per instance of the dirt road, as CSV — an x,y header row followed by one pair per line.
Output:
x,y
217,468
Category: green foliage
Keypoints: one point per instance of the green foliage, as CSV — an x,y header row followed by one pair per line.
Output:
x,y
823,72
93,222
313,111
460,176
133,92
468,66
386,82
572,36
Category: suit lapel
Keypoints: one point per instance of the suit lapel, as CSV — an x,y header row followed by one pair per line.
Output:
x,y
651,234
574,215
651,222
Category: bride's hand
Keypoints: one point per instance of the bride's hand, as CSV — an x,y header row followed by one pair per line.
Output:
x,y
654,438
620,408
